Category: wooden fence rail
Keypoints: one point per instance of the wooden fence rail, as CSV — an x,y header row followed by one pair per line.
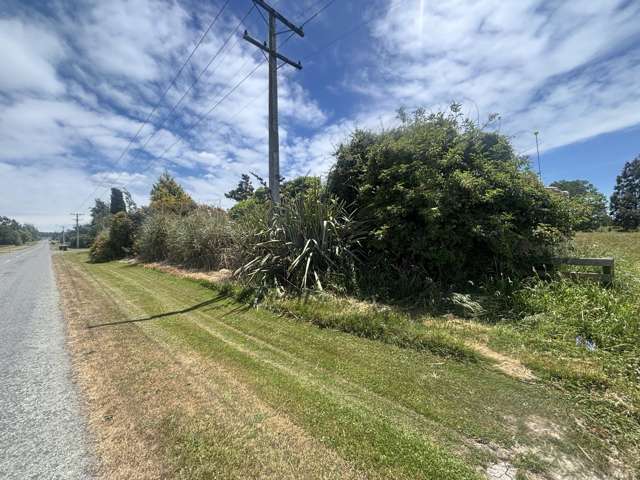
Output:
x,y
605,277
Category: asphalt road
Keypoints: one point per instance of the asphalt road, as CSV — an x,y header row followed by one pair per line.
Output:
x,y
42,431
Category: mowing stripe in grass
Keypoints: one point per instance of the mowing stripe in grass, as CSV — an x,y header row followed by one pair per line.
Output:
x,y
355,433
419,406
375,379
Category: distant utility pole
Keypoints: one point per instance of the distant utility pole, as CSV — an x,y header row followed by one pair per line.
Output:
x,y
77,215
62,235
538,150
271,49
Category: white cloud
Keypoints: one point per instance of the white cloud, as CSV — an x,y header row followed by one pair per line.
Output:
x,y
80,82
501,55
29,56
43,197
127,38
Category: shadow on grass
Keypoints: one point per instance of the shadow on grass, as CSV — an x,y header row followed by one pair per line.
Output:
x,y
192,308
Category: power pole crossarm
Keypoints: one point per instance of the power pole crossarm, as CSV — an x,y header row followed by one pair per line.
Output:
x,y
271,48
273,12
263,46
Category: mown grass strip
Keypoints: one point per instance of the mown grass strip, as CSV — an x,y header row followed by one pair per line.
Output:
x,y
352,431
457,391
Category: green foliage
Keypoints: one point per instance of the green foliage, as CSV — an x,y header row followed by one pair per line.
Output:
x,y
308,242
201,239
625,201
151,239
300,186
101,249
249,210
14,233
168,196
121,234
243,191
117,201
589,205
114,243
447,201
382,325
289,189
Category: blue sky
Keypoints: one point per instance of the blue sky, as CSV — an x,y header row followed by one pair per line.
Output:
x,y
78,79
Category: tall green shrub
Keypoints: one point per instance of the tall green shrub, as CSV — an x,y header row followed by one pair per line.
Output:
x,y
114,243
101,249
446,201
625,201
589,205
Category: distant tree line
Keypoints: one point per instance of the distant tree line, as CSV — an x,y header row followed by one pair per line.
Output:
x,y
589,205
14,233
625,201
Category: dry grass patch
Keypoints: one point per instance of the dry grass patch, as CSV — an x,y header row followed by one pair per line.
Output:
x,y
217,276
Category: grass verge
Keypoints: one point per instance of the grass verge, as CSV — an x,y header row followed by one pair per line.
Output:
x,y
201,386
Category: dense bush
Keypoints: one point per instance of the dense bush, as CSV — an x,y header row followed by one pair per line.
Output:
x,y
101,250
121,234
309,241
168,196
625,201
447,201
588,204
201,239
151,238
114,243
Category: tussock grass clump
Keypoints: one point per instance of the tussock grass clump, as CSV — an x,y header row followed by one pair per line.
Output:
x,y
151,241
203,239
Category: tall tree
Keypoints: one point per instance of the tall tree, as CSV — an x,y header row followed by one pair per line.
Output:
x,y
243,191
129,201
99,213
117,201
167,195
590,204
625,201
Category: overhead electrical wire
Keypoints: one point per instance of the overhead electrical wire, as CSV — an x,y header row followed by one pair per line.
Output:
x,y
166,90
197,79
237,85
246,77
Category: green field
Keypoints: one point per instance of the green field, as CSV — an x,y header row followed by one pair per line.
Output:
x,y
361,408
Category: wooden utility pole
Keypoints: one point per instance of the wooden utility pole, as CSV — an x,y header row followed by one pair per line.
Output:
x,y
274,56
77,215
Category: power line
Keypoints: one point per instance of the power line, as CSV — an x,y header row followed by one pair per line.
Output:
x,y
322,9
246,77
205,115
213,58
164,93
350,32
235,87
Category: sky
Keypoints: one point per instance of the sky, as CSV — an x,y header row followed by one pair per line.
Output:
x,y
80,78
